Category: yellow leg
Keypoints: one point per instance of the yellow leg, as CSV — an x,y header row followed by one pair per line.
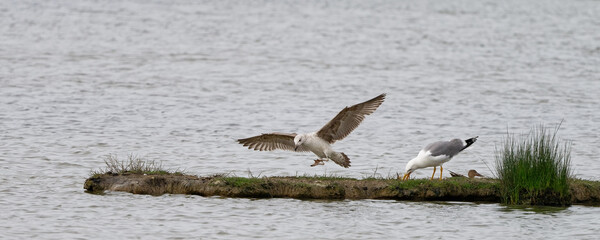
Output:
x,y
433,173
441,171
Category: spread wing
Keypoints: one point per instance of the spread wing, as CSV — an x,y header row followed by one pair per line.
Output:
x,y
271,141
348,119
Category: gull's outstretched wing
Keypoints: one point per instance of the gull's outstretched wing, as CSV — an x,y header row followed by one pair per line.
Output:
x,y
271,141
348,119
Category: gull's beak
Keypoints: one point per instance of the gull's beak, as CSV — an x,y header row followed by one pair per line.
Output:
x,y
296,148
406,176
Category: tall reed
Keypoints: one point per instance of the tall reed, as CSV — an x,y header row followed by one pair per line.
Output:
x,y
535,169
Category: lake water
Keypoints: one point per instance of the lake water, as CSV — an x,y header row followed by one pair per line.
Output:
x,y
179,81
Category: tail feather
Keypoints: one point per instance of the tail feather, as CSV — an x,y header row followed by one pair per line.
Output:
x,y
341,159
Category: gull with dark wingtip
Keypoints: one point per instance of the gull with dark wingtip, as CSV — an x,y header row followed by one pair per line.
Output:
x,y
435,154
318,142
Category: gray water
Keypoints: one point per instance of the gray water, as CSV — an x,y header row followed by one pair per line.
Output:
x,y
179,81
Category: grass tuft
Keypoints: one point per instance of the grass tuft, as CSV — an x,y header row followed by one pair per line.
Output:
x,y
133,165
325,177
242,182
534,169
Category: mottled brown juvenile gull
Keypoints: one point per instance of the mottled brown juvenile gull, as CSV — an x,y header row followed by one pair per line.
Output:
x,y
435,154
318,142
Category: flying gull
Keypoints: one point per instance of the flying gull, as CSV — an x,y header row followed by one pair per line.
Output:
x,y
437,153
318,142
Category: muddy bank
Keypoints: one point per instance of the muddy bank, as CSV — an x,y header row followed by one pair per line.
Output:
x,y
451,189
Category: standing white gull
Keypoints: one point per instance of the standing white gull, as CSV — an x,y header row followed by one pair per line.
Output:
x,y
318,142
435,154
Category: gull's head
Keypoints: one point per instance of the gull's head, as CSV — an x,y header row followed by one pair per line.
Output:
x,y
298,141
410,167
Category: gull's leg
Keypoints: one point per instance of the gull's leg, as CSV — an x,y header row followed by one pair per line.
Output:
x,y
318,162
441,171
435,167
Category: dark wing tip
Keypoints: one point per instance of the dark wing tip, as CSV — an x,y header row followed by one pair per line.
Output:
x,y
380,97
246,143
370,105
346,163
243,140
377,100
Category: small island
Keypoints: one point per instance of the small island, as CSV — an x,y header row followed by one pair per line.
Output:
x,y
532,170
334,188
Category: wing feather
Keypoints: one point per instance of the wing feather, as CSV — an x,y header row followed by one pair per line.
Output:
x,y
448,148
348,119
271,141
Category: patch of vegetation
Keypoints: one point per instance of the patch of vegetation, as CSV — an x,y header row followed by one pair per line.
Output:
x,y
591,184
467,183
325,177
462,183
133,165
242,182
450,189
534,169
410,184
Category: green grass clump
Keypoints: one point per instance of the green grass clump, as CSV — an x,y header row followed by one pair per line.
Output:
x,y
534,169
411,183
325,177
454,183
133,165
243,182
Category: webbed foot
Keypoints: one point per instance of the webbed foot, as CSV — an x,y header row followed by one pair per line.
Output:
x,y
318,162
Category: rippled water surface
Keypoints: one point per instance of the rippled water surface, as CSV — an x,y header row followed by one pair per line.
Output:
x,y
179,81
